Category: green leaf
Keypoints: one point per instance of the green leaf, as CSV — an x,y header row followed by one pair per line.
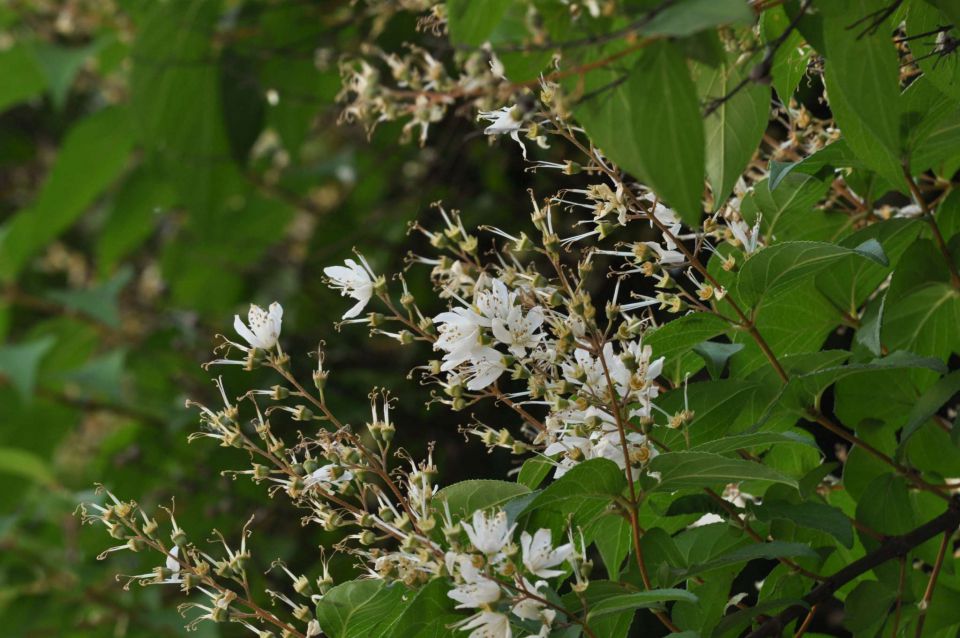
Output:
x,y
790,60
944,73
734,129
132,218
93,154
781,265
679,470
360,608
26,464
583,492
930,403
803,391
690,16
867,607
613,537
60,65
716,355
885,506
749,441
638,600
810,515
767,551
533,472
98,302
175,91
923,321
19,363
676,338
22,76
427,615
466,497
471,23
100,378
786,208
851,281
663,147
862,80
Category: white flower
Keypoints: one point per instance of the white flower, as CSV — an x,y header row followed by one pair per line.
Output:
x,y
173,562
489,531
495,302
519,332
484,367
748,237
532,609
487,624
328,475
477,590
353,280
459,335
506,121
264,329
539,555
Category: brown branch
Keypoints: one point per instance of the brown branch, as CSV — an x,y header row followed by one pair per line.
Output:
x,y
932,583
893,547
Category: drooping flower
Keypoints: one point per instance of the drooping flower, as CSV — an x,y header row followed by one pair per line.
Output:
x,y
505,121
328,475
353,280
173,561
487,624
489,532
484,367
476,590
539,555
264,328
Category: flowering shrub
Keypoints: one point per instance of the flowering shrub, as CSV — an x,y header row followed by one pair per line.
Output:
x,y
732,421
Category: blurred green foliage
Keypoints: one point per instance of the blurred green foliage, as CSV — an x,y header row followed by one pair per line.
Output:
x,y
161,165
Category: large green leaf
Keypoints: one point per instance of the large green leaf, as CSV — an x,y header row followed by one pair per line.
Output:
x,y
93,154
790,60
22,76
803,391
176,95
930,403
781,265
428,615
862,80
679,470
584,492
690,16
630,123
818,516
26,464
943,72
770,550
466,497
734,129
471,23
638,600
360,608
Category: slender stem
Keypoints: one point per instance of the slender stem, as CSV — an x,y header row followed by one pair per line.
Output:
x,y
806,622
932,222
932,583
